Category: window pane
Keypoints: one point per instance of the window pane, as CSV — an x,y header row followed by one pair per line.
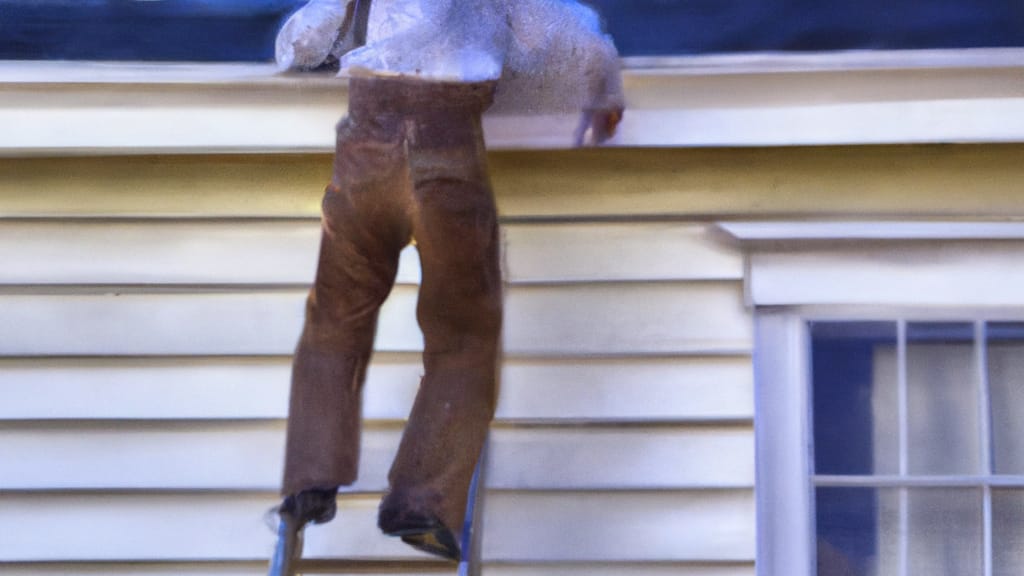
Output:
x,y
857,531
1006,386
945,532
942,399
1007,532
854,397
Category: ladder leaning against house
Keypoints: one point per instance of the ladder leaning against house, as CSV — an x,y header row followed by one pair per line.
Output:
x,y
288,561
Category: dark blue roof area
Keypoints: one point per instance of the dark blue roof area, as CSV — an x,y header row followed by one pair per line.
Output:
x,y
722,26
186,30
243,30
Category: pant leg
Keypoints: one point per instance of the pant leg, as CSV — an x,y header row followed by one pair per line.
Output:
x,y
460,312
366,223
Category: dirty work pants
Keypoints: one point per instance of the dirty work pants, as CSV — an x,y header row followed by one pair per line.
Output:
x,y
410,164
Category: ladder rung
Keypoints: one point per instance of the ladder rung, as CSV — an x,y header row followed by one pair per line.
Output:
x,y
341,565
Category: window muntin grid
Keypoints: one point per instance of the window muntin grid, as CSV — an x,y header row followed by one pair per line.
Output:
x,y
915,438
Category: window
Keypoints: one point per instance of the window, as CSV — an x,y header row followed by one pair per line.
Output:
x,y
889,363
917,447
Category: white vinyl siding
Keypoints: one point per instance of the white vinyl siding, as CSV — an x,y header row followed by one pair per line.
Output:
x,y
144,370
606,183
149,305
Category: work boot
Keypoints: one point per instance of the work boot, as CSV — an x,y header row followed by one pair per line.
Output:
x,y
317,506
421,531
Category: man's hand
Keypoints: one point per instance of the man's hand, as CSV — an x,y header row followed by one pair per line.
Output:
x,y
308,38
597,126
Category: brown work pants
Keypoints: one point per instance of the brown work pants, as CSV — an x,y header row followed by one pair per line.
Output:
x,y
410,163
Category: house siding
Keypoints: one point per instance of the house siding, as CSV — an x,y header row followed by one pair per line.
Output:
x,y
150,306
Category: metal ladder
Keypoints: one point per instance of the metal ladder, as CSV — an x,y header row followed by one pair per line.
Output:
x,y
288,561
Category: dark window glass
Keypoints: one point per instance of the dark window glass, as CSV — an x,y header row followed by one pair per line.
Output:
x,y
848,522
854,392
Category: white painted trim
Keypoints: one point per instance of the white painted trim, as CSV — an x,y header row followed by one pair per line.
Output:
x,y
985,440
786,231
63,72
907,481
750,100
939,275
900,264
903,532
784,62
782,437
88,72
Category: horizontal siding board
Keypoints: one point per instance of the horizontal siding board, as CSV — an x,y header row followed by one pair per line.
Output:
x,y
137,569
604,252
180,388
285,252
176,527
672,389
595,527
265,322
248,456
651,458
252,568
260,569
265,185
622,569
121,457
651,318
664,318
620,389
615,182
109,252
669,526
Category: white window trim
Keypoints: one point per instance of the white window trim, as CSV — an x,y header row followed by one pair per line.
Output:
x,y
883,264
785,511
872,97
806,271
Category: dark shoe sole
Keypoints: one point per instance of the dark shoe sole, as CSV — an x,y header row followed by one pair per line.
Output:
x,y
438,542
425,534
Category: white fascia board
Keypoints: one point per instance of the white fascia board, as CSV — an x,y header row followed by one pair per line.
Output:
x,y
932,276
797,231
848,60
751,100
952,265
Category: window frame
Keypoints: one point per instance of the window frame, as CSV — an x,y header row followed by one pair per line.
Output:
x,y
785,481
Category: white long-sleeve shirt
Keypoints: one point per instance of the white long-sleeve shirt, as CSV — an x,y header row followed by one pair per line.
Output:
x,y
548,55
